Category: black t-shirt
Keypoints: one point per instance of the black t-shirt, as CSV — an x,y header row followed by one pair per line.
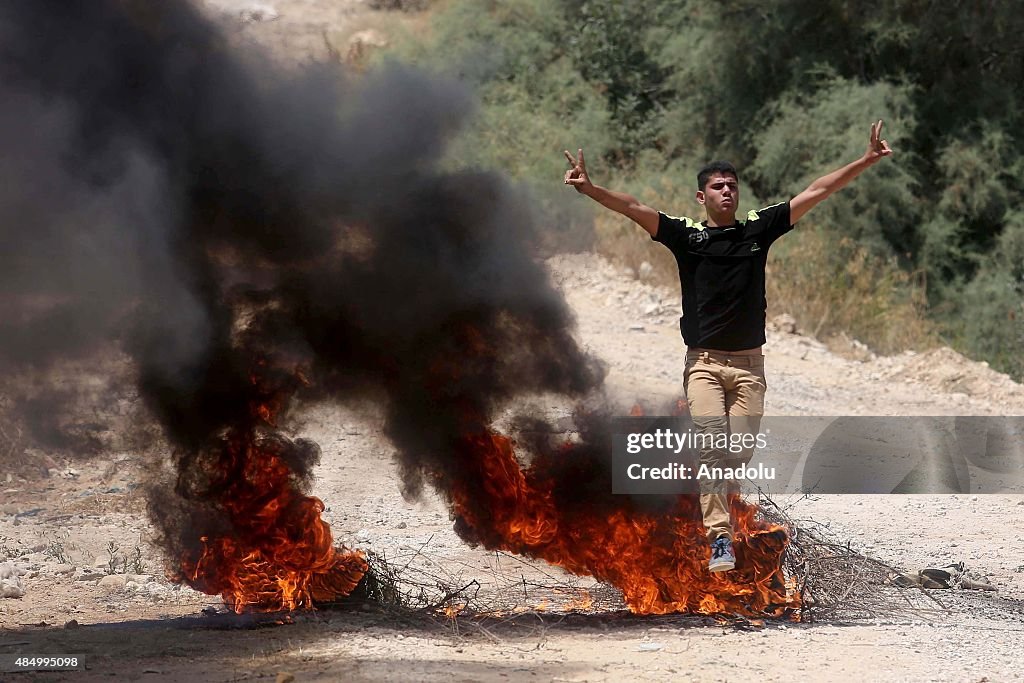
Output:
x,y
722,275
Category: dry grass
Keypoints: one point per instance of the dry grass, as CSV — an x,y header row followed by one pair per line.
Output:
x,y
837,287
624,243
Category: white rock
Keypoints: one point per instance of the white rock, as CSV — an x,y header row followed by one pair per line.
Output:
x,y
11,589
9,570
113,581
785,323
10,580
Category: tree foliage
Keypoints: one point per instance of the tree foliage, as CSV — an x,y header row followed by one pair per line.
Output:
x,y
786,90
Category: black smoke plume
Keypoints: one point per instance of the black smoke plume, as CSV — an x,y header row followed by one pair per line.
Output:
x,y
249,233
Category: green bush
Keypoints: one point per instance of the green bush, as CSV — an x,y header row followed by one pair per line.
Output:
x,y
989,319
809,134
923,244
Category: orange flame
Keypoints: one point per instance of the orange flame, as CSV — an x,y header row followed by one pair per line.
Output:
x,y
582,602
279,553
454,609
276,552
658,561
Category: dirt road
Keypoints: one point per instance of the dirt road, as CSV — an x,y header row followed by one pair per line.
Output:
x,y
60,528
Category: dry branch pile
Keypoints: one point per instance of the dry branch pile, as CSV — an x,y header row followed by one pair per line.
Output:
x,y
836,583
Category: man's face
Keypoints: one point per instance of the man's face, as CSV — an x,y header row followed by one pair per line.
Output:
x,y
721,194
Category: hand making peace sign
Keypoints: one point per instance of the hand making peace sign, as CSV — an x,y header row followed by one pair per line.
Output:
x,y
577,175
877,148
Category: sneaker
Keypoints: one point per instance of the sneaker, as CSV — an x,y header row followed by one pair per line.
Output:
x,y
722,556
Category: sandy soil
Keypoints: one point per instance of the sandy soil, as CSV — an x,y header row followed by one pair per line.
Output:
x,y
67,524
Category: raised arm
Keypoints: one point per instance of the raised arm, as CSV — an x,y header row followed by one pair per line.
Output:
x,y
827,184
620,202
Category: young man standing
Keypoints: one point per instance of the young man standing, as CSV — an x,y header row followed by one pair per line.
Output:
x,y
722,272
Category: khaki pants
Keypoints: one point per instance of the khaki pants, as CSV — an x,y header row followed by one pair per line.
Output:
x,y
725,391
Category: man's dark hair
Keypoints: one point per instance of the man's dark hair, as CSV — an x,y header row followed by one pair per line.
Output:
x,y
723,167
